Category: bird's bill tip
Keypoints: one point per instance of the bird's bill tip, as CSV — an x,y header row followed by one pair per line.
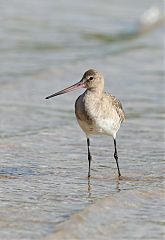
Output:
x,y
68,89
47,97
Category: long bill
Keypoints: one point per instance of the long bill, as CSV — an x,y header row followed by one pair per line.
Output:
x,y
68,89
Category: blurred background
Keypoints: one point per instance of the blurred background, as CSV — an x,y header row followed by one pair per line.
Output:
x,y
46,46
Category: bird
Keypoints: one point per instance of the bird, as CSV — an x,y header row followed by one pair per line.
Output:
x,y
97,112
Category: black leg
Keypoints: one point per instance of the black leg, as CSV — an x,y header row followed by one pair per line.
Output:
x,y
89,158
116,158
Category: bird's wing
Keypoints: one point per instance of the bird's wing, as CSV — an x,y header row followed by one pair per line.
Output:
x,y
119,109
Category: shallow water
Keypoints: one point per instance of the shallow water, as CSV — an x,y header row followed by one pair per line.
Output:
x,y
44,48
116,217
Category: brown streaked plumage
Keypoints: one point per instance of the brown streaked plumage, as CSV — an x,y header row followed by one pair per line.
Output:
x,y
97,112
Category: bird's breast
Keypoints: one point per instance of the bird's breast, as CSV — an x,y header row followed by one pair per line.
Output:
x,y
83,116
97,115
92,115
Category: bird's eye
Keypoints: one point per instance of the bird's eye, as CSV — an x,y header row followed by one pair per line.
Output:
x,y
91,78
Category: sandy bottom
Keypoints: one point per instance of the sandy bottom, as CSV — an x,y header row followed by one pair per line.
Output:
x,y
122,216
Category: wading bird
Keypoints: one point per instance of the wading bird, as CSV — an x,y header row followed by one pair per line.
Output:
x,y
97,112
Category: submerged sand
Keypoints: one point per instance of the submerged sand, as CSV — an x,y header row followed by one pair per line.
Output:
x,y
126,215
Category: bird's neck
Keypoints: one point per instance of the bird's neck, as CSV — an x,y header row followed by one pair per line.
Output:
x,y
95,91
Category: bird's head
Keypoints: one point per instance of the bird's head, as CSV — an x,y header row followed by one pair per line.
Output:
x,y
91,79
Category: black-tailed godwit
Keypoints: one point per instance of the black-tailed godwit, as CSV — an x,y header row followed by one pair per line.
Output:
x,y
97,112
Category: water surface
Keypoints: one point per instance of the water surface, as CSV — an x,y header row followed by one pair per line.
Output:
x,y
46,46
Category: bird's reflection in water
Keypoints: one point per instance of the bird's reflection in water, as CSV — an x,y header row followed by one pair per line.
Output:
x,y
89,188
117,186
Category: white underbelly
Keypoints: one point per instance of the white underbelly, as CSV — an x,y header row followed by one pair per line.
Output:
x,y
102,126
